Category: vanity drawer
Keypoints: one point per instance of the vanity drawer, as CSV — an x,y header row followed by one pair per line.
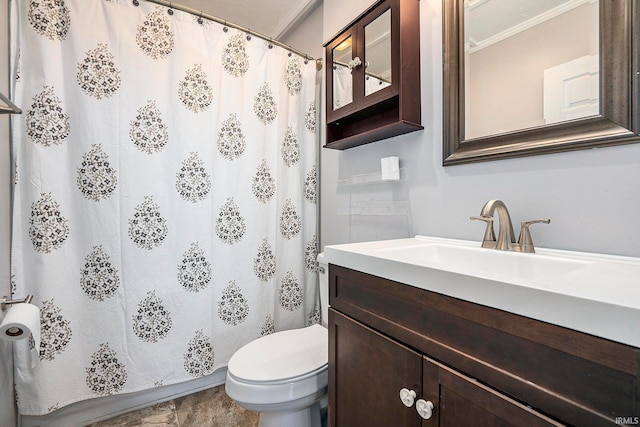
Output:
x,y
574,377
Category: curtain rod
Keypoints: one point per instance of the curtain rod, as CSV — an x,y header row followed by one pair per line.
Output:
x,y
201,14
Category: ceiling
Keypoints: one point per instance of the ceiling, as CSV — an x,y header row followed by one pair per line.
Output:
x,y
271,18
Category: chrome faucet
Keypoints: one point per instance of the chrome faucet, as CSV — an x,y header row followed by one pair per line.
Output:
x,y
506,238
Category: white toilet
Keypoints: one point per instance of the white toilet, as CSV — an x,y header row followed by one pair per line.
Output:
x,y
283,376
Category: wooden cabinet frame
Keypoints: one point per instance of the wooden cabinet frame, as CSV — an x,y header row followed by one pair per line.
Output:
x,y
565,375
392,111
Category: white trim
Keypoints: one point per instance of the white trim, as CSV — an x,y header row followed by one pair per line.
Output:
x,y
536,20
90,411
472,4
294,18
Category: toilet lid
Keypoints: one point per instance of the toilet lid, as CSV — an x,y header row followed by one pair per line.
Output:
x,y
282,355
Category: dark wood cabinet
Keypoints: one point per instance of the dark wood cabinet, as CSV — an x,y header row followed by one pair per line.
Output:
x,y
373,76
369,370
474,364
463,401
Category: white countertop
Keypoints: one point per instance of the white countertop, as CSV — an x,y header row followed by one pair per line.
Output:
x,y
592,293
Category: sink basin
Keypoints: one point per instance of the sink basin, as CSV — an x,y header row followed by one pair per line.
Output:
x,y
486,263
594,293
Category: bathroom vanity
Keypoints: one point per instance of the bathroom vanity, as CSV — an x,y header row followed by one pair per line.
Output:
x,y
439,347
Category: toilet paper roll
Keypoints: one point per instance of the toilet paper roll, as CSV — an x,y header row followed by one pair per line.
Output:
x,y
20,322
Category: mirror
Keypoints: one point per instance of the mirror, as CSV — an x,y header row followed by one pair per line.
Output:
x,y
377,44
342,80
595,106
508,88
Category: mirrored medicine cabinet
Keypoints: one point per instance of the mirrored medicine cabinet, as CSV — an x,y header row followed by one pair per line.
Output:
x,y
373,76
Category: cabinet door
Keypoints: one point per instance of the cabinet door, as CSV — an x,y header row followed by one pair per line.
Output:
x,y
379,48
342,98
364,62
462,401
366,373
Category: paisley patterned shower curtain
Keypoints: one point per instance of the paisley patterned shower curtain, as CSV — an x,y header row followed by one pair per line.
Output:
x,y
165,194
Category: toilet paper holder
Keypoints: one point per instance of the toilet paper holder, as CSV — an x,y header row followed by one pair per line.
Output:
x,y
4,301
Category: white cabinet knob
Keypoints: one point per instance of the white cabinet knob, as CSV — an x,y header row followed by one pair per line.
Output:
x,y
355,63
408,397
424,408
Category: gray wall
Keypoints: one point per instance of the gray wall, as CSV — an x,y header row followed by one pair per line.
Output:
x,y
591,196
7,411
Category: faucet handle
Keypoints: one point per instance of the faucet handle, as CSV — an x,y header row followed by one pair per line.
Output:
x,y
489,239
525,241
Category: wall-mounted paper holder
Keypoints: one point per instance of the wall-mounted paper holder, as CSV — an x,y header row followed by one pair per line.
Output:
x,y
4,301
8,107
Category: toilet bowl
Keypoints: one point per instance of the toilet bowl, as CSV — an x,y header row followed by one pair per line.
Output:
x,y
283,376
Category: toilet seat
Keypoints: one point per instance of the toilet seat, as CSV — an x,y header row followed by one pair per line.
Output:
x,y
282,357
288,381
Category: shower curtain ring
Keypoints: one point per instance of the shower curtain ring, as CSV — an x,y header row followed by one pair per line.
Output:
x,y
200,20
136,3
170,10
249,35
270,43
225,28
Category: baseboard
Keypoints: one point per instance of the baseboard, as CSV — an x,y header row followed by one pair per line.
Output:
x,y
90,411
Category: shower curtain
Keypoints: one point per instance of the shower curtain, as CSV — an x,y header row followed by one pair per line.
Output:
x,y
165,195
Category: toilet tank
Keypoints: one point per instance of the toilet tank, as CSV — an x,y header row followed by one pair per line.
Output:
x,y
323,280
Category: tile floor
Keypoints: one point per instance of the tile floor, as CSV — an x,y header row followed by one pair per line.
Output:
x,y
208,408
